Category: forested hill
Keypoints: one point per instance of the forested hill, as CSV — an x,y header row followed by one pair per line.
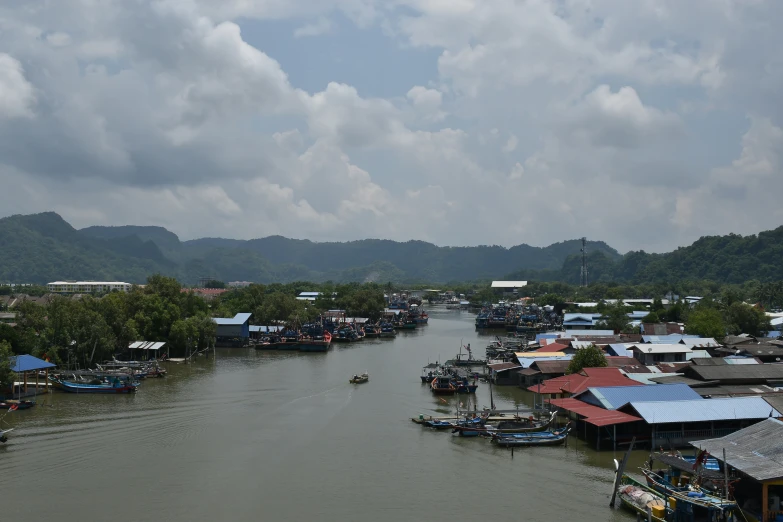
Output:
x,y
43,247
724,259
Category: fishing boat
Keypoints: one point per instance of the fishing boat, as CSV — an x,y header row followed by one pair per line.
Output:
x,y
683,475
14,405
372,331
289,340
387,331
112,386
638,498
346,334
464,386
437,424
359,379
316,340
443,385
4,435
522,425
702,505
541,438
429,372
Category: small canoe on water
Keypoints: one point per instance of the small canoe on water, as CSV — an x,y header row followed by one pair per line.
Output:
x,y
358,379
14,405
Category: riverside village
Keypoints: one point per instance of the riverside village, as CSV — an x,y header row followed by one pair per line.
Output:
x,y
529,374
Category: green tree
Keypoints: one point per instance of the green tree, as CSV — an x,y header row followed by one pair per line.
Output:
x,y
6,375
742,318
706,322
588,357
615,317
652,317
214,283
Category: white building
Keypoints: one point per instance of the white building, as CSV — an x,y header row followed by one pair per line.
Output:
x,y
87,287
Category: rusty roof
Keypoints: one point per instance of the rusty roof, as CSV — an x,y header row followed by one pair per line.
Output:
x,y
587,378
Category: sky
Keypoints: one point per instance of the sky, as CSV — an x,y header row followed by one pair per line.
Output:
x,y
645,124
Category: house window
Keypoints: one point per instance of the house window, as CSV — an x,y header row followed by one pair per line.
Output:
x,y
679,357
553,396
658,357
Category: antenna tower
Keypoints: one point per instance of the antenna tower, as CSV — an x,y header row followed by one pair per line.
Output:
x,y
583,274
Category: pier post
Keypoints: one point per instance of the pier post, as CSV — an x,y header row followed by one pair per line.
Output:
x,y
512,452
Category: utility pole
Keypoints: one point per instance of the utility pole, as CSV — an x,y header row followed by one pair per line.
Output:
x,y
583,274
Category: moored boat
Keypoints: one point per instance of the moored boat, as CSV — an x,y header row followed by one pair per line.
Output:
x,y
541,438
316,341
387,330
443,385
638,498
112,386
14,405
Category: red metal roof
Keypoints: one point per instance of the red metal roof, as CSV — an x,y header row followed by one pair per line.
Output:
x,y
553,347
587,378
593,414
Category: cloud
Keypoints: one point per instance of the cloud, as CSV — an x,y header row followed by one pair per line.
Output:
x,y
319,27
17,95
482,120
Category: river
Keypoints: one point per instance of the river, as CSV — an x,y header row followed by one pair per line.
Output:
x,y
255,435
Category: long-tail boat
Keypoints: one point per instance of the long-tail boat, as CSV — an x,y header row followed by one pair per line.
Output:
x,y
542,438
112,386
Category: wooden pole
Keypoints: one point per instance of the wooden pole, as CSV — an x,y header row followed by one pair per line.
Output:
x,y
620,470
25,381
764,502
725,475
36,382
47,379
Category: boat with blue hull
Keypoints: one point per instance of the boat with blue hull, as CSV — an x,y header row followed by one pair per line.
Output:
x,y
387,331
111,386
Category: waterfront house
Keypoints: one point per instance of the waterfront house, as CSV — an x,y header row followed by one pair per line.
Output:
x,y
755,453
232,331
581,321
504,373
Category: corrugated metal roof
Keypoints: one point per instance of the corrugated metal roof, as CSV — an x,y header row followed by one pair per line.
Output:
x,y
552,367
698,354
593,414
700,342
617,396
508,284
577,382
581,344
550,348
499,367
587,334
737,372
239,319
701,410
662,348
525,361
756,451
620,349
146,345
733,359
776,401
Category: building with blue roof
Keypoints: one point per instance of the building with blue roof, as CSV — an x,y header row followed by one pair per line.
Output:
x,y
232,331
676,423
615,397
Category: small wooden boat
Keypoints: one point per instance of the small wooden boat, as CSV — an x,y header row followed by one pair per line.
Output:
x,y
542,438
638,498
437,424
4,435
13,405
520,425
359,379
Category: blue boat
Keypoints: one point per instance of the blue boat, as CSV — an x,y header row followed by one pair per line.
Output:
x,y
387,330
114,385
541,438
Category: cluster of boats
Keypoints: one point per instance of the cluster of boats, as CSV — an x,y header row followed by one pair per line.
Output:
x,y
682,489
111,377
319,335
505,432
521,319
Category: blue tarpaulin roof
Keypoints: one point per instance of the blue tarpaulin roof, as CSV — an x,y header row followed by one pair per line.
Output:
x,y
28,363
723,408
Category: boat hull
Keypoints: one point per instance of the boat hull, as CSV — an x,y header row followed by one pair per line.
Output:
x,y
314,346
543,438
632,494
89,388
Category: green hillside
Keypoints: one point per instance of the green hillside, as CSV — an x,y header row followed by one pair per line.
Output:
x,y
43,247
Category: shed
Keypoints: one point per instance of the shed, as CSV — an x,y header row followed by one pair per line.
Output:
x,y
757,453
737,374
27,363
233,327
656,353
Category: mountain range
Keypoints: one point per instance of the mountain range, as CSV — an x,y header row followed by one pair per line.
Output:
x,y
40,248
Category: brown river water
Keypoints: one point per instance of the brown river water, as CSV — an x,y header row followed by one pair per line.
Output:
x,y
255,435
